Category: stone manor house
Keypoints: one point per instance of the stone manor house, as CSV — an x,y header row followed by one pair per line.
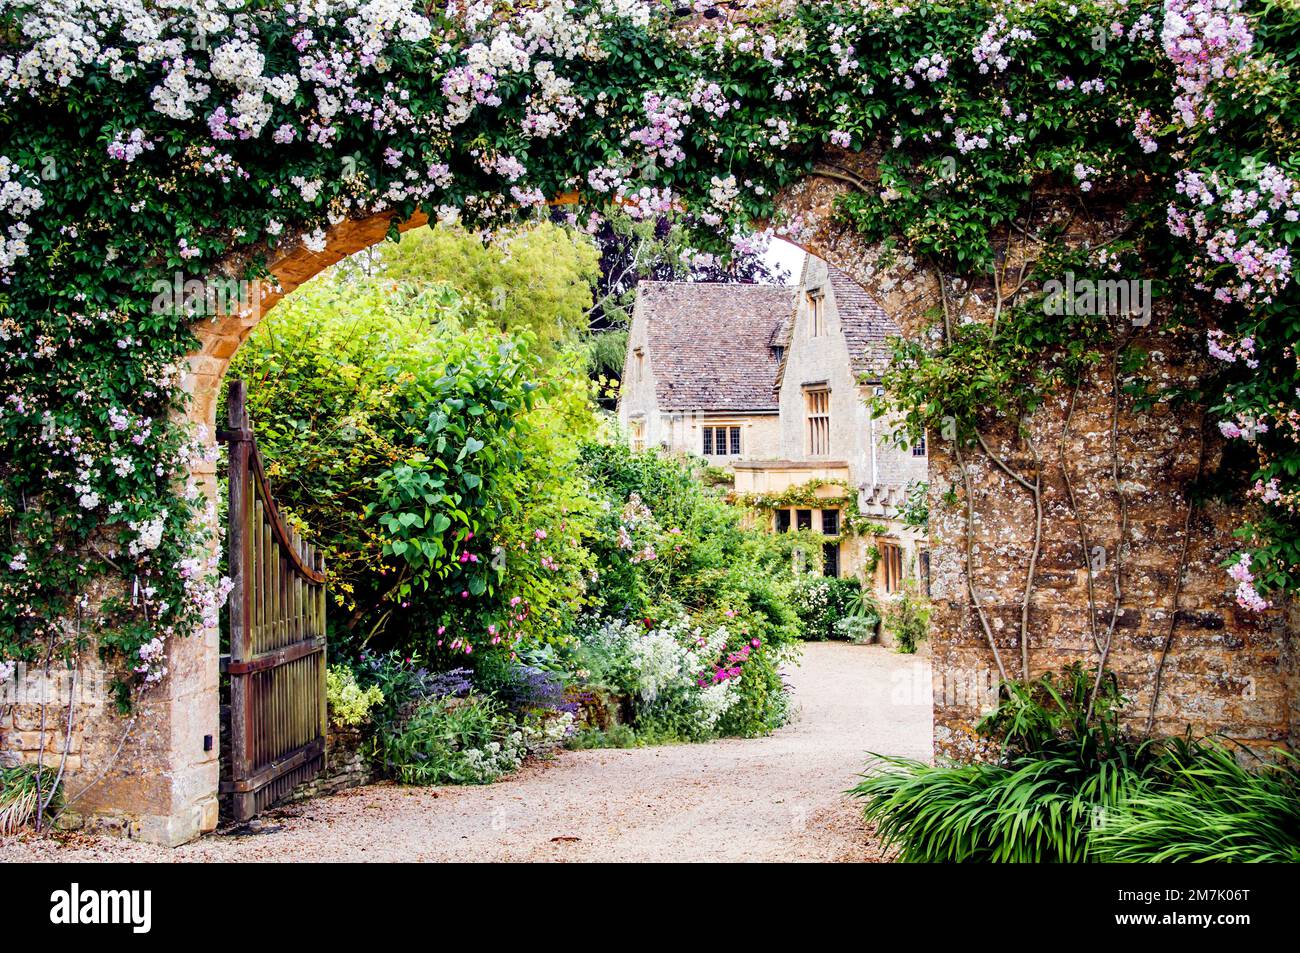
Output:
x,y
773,383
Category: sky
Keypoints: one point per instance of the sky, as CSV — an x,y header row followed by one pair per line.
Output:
x,y
782,254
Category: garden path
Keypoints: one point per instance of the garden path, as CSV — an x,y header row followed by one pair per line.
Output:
x,y
767,799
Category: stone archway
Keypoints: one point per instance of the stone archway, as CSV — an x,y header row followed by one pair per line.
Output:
x,y
1223,670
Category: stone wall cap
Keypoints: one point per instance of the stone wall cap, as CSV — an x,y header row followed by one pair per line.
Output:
x,y
790,465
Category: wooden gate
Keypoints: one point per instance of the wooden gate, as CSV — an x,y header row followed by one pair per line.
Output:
x,y
276,663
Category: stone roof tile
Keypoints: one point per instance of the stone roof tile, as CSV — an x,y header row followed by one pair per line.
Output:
x,y
864,324
709,342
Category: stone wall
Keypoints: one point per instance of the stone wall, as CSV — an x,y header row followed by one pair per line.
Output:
x,y
150,774
1227,670
347,765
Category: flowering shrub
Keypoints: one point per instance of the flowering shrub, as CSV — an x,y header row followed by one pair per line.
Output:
x,y
403,680
461,726
148,139
821,603
684,682
349,704
453,741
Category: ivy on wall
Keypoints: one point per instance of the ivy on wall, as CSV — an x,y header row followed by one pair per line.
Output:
x,y
148,145
807,496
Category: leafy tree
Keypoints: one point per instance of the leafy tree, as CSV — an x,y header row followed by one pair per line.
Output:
x,y
536,278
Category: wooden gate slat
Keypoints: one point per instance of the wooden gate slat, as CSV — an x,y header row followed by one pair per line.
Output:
x,y
276,664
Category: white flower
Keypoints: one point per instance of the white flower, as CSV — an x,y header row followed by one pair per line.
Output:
x,y
149,534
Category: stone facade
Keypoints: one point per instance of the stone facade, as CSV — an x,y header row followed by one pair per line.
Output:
x,y
843,352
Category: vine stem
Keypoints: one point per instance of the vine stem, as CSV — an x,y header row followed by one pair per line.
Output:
x,y
40,752
1033,560
1178,580
970,564
1036,491
970,513
1079,521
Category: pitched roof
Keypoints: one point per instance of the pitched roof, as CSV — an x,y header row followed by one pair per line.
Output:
x,y
709,343
864,324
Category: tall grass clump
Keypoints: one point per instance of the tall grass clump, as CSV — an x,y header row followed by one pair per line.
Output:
x,y
22,789
1206,805
1071,786
1060,771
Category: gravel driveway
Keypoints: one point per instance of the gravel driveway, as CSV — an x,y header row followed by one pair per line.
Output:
x,y
768,799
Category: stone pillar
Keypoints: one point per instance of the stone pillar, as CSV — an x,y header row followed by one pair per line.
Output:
x,y
150,774
154,774
1226,669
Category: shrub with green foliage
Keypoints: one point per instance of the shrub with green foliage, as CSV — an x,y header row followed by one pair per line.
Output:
x,y
1072,786
535,279
453,741
431,458
907,618
668,542
348,703
823,602
1205,805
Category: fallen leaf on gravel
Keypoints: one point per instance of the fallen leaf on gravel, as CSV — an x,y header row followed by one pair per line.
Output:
x,y
565,839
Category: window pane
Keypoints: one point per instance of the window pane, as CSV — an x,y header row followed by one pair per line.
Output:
x,y
783,521
708,441
831,522
735,440
804,519
831,559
